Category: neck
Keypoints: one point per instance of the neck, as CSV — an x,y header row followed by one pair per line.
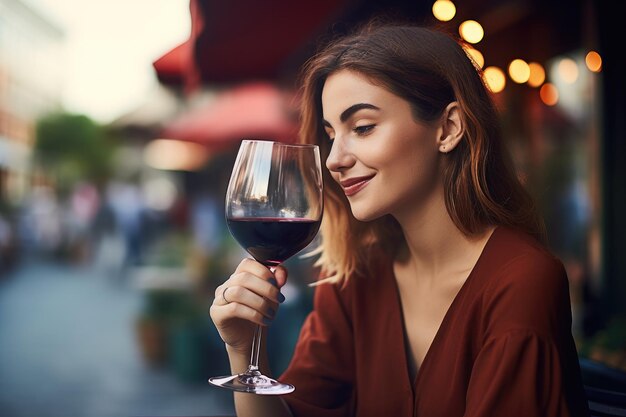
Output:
x,y
435,247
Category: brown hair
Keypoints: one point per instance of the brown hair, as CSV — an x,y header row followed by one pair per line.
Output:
x,y
429,69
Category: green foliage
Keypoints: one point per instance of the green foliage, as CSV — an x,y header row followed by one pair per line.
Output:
x,y
170,306
170,251
73,148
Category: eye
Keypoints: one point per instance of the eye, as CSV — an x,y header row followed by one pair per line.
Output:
x,y
363,130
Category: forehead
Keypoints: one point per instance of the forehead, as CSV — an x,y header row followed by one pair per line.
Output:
x,y
344,88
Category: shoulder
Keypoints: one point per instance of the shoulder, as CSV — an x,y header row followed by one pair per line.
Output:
x,y
508,243
515,258
525,286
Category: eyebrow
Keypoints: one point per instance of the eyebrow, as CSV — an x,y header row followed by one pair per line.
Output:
x,y
351,110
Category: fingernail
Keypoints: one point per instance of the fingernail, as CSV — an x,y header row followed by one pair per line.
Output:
x,y
272,312
281,297
267,321
273,282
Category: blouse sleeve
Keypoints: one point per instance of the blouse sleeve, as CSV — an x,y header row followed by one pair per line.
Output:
x,y
322,366
527,364
519,374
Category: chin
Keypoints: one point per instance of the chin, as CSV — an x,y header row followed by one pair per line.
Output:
x,y
364,215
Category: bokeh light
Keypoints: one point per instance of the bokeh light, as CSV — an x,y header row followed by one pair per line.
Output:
x,y
444,10
476,55
495,79
537,74
175,155
549,94
519,71
568,70
471,31
593,61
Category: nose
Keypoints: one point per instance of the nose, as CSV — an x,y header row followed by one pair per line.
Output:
x,y
339,157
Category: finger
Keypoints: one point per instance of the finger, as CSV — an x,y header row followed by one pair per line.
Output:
x,y
219,294
235,310
281,273
263,287
242,295
255,268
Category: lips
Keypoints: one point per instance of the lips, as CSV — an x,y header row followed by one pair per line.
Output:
x,y
351,186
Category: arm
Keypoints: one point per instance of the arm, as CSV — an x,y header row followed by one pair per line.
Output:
x,y
252,298
322,367
527,364
521,374
255,405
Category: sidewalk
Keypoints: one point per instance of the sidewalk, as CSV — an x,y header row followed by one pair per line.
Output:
x,y
67,348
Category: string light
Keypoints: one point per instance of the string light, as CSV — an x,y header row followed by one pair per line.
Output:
x,y
537,74
495,79
549,94
475,55
519,71
593,61
444,10
471,31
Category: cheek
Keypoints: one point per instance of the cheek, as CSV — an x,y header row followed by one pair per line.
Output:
x,y
411,172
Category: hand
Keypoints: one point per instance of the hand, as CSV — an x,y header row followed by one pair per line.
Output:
x,y
249,297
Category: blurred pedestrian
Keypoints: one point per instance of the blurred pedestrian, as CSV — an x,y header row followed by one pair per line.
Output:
x,y
84,205
41,225
6,244
127,205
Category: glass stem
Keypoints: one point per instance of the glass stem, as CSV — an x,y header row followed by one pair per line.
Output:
x,y
256,348
253,368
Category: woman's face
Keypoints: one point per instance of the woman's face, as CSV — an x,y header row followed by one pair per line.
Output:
x,y
384,160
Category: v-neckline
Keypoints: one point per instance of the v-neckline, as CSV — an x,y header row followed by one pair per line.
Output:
x,y
444,322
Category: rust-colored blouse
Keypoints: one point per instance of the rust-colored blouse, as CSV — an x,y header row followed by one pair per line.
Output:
x,y
504,347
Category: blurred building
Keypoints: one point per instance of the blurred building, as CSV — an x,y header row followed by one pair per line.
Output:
x,y
31,78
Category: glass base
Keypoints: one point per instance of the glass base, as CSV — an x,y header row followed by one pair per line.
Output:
x,y
252,382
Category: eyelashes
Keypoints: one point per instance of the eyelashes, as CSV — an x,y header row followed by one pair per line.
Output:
x,y
363,130
359,130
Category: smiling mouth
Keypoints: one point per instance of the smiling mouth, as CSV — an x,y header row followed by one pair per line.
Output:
x,y
354,185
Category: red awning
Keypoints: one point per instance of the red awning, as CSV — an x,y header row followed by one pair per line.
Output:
x,y
173,67
244,40
257,111
251,39
177,67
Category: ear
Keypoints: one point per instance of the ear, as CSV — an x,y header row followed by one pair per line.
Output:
x,y
452,128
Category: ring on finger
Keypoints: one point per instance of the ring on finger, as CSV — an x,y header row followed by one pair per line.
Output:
x,y
224,295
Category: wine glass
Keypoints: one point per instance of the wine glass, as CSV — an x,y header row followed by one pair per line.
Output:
x,y
274,207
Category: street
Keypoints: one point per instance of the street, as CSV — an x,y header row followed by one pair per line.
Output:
x,y
67,348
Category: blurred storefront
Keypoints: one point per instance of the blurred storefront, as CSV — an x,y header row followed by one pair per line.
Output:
x,y
31,78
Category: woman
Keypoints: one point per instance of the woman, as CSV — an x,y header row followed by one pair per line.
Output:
x,y
439,298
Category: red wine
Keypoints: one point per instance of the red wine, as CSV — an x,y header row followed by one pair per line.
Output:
x,y
273,240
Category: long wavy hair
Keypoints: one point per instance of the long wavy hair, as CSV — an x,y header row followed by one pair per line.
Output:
x,y
429,69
